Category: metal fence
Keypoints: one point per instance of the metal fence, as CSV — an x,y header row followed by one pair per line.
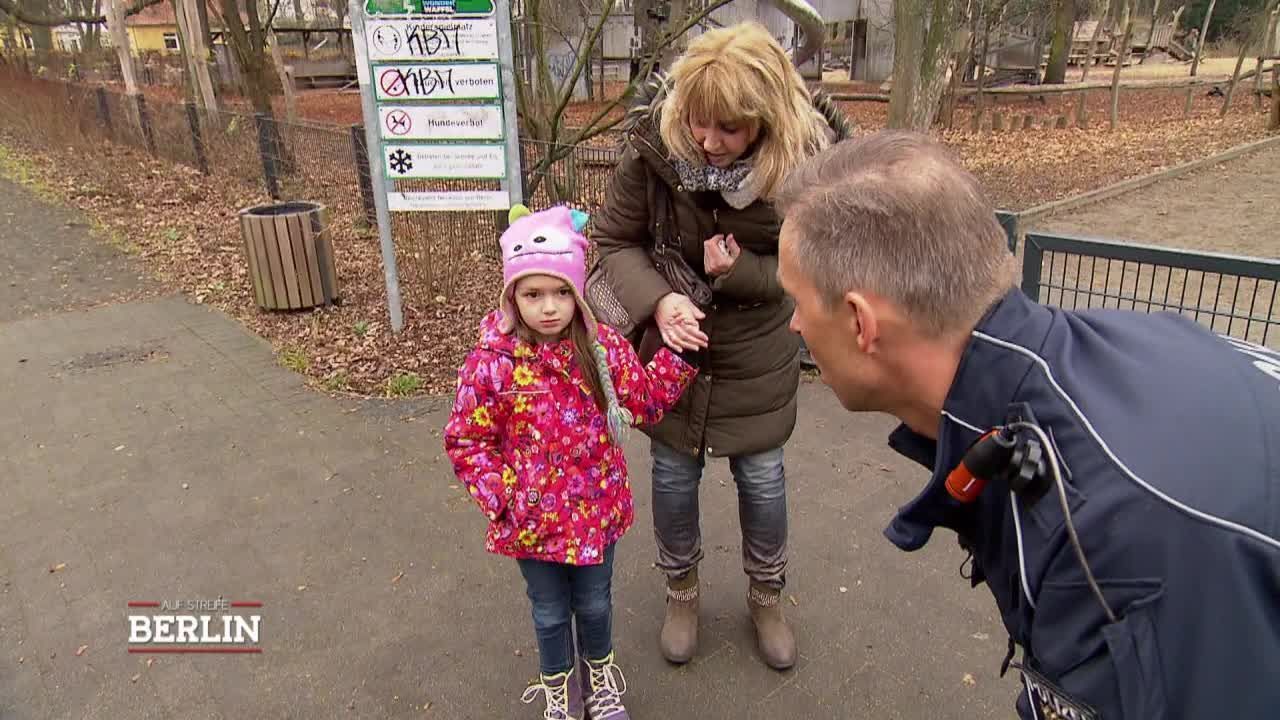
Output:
x,y
1234,296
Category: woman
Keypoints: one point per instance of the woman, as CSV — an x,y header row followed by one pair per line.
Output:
x,y
688,244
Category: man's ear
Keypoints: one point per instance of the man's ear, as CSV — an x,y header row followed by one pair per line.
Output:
x,y
865,322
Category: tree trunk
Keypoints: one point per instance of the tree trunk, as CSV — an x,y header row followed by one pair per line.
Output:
x,y
195,53
249,45
286,78
1064,17
1267,48
678,9
120,40
297,12
908,46
184,49
1151,32
202,12
979,101
1120,58
1093,40
1204,30
938,49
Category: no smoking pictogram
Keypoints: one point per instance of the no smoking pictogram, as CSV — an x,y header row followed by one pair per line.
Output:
x,y
398,122
392,82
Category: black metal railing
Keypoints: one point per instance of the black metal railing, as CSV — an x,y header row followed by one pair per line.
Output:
x,y
1231,295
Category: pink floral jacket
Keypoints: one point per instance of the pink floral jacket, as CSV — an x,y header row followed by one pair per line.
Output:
x,y
533,449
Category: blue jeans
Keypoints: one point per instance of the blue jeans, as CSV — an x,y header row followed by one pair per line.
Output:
x,y
762,513
561,594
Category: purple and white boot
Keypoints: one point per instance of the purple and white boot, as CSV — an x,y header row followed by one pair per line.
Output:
x,y
563,694
603,685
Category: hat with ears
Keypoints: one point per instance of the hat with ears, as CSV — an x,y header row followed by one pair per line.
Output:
x,y
548,242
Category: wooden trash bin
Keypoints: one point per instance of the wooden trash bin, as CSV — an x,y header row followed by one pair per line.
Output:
x,y
290,255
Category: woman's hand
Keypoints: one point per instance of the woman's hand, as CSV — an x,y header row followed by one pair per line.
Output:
x,y
677,319
719,254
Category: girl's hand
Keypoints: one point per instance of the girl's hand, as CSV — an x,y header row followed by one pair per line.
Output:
x,y
677,319
719,254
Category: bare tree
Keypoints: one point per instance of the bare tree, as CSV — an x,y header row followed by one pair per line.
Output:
x,y
1093,39
542,103
1204,31
1064,19
1256,25
1122,56
924,35
248,40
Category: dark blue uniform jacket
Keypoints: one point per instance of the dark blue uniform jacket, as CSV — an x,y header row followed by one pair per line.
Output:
x,y
1169,440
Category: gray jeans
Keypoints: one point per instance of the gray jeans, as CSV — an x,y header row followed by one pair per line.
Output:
x,y
762,512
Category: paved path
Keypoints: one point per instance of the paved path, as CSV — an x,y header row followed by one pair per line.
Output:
x,y
157,451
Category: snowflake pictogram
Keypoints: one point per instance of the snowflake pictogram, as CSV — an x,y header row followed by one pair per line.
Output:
x,y
401,162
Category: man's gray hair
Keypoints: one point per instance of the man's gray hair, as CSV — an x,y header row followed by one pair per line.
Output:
x,y
894,214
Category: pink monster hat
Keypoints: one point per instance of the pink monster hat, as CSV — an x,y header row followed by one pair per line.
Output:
x,y
549,242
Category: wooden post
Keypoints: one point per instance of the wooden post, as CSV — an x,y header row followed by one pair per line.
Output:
x,y
1082,115
1028,122
997,121
197,138
1275,97
1186,109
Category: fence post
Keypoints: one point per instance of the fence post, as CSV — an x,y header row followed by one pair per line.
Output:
x,y
1032,259
104,110
266,149
363,174
1009,223
197,140
145,121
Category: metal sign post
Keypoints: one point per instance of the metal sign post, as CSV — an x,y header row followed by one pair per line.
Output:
x,y
374,143
437,85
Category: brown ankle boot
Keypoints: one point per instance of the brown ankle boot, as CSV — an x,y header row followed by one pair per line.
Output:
x,y
776,641
679,638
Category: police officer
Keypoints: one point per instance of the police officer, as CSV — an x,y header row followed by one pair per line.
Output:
x,y
1115,475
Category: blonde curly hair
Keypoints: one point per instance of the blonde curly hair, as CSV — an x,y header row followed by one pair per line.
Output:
x,y
740,74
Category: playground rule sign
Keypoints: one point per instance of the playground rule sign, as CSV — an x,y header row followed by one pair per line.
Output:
x,y
456,122
408,38
438,81
438,96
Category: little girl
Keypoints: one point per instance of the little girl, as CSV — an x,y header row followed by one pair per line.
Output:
x,y
536,436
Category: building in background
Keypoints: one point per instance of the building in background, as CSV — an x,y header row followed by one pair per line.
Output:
x,y
859,37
